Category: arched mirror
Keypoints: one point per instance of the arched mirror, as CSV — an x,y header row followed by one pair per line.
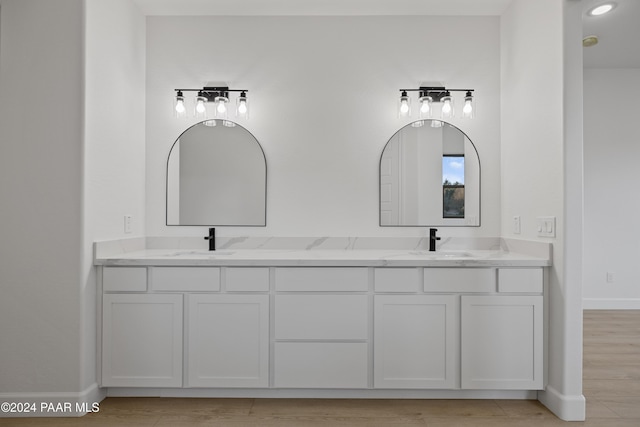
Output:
x,y
429,176
216,176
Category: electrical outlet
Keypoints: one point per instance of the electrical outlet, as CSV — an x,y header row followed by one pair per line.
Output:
x,y
516,224
128,223
609,277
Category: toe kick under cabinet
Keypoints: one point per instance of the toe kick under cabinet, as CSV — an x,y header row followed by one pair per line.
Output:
x,y
356,328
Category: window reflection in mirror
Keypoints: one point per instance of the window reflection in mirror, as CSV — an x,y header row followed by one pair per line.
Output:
x,y
453,186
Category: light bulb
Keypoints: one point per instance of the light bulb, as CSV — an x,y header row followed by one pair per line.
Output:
x,y
425,106
447,106
242,105
179,109
404,108
221,106
468,111
201,108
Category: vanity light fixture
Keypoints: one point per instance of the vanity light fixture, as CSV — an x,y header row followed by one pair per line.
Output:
x,y
430,95
217,95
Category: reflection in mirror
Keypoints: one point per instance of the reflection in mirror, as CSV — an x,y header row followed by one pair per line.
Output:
x,y
429,176
216,176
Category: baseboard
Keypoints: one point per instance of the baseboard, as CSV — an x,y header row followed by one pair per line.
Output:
x,y
611,303
271,393
51,404
565,407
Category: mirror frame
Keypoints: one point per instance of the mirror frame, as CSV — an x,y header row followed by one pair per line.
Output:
x,y
215,225
430,225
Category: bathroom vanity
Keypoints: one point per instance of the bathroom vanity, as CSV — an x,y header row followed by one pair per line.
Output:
x,y
295,322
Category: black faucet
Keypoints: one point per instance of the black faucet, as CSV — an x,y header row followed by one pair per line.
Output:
x,y
432,239
212,239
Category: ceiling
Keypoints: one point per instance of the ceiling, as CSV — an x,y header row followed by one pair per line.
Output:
x,y
322,7
618,31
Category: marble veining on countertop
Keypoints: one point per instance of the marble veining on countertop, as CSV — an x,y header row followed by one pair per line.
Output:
x,y
323,251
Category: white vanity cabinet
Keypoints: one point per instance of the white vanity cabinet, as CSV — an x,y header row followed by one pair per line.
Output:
x,y
228,340
298,328
321,328
416,341
228,334
141,340
502,334
211,323
502,342
468,328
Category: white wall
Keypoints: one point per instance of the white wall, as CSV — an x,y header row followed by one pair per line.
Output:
x,y
323,93
539,170
71,164
612,154
41,74
114,156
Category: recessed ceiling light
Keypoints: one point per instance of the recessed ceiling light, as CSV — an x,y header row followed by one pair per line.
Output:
x,y
601,9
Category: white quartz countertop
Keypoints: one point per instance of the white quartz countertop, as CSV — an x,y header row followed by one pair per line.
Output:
x,y
323,257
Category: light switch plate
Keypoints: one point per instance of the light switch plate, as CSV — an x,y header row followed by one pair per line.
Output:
x,y
516,224
128,220
546,226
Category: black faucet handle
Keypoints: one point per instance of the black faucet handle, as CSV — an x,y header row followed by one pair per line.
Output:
x,y
211,238
432,239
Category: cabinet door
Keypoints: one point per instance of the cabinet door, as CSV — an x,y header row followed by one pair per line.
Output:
x,y
502,342
228,341
142,340
415,341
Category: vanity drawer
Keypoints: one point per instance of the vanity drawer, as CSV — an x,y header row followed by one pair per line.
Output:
x,y
527,280
123,279
320,365
185,279
252,279
321,317
459,280
396,279
309,279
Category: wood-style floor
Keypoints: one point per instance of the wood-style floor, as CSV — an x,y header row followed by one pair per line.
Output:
x,y
611,386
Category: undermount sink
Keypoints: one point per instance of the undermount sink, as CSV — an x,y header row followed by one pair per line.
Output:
x,y
452,254
445,254
204,252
